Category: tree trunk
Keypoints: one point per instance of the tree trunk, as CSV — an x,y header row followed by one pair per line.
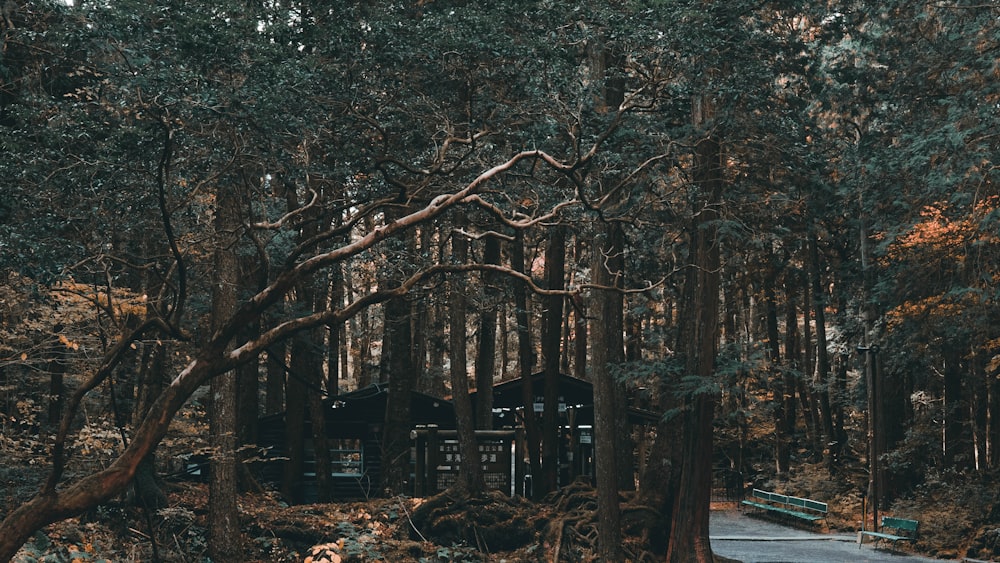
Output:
x,y
955,410
659,484
525,363
580,337
781,438
56,368
486,355
822,375
555,272
470,476
607,447
419,327
335,334
253,278
993,433
614,319
688,539
807,389
274,386
149,384
793,362
224,543
303,394
146,487
396,365
317,423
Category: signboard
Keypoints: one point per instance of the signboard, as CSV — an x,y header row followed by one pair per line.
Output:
x,y
438,459
494,459
539,404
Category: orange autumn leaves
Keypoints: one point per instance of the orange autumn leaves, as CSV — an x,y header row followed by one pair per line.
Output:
x,y
950,260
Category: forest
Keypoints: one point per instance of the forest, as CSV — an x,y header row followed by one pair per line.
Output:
x,y
762,237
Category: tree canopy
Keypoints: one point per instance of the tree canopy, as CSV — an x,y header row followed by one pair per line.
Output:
x,y
773,191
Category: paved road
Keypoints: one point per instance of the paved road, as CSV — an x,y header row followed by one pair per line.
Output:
x,y
755,540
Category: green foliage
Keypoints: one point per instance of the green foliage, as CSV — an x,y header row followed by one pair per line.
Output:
x,y
833,117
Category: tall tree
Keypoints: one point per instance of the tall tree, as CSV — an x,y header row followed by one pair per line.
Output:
x,y
552,322
608,404
223,517
688,540
486,351
397,367
470,475
525,364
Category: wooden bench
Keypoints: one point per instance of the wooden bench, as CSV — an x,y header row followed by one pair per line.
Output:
x,y
787,505
902,530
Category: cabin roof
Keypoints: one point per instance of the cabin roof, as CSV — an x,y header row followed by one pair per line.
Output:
x,y
368,405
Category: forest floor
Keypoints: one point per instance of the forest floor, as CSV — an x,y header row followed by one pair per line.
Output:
x,y
959,514
490,530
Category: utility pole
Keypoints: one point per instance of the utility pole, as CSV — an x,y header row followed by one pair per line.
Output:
x,y
872,382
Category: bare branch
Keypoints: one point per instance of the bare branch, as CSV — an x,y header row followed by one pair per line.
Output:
x,y
520,223
284,330
290,215
480,236
162,178
112,358
635,172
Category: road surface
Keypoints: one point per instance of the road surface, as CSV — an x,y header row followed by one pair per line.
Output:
x,y
752,539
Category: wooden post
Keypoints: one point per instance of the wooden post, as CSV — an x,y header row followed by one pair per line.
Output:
x,y
420,463
433,451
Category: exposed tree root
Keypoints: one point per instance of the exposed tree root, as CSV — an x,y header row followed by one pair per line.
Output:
x,y
490,522
573,535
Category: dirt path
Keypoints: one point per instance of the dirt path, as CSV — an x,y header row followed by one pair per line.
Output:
x,y
754,540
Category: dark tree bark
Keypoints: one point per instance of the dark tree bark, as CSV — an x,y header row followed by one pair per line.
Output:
x,y
956,446
224,544
792,363
614,318
486,353
362,327
252,279
56,368
470,476
274,386
807,391
552,319
993,433
303,395
335,334
395,439
525,363
418,326
580,337
781,437
397,367
317,424
608,399
146,489
822,375
688,539
149,384
659,483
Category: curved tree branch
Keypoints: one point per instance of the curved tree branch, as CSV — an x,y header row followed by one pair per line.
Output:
x,y
290,215
162,178
213,358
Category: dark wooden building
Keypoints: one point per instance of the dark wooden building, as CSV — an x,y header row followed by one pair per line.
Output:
x,y
576,423
354,424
